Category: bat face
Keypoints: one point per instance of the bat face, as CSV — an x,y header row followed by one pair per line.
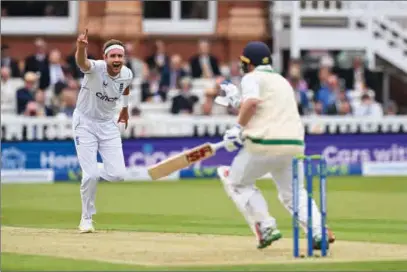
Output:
x,y
180,161
199,154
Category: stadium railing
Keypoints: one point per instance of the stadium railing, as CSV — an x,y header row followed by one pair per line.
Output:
x,y
19,128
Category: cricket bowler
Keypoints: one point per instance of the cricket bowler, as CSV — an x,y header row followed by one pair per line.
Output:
x,y
270,132
94,127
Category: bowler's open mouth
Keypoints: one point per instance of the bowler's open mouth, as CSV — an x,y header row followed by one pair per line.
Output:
x,y
116,65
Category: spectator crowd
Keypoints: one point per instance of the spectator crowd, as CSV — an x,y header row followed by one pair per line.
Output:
x,y
47,84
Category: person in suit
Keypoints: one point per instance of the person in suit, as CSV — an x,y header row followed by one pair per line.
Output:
x,y
133,62
184,102
159,59
150,87
9,62
359,76
26,93
171,75
204,64
39,60
52,72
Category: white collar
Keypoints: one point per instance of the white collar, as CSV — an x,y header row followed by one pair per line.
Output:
x,y
264,67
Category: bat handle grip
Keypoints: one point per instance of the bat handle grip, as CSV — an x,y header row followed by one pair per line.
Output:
x,y
217,146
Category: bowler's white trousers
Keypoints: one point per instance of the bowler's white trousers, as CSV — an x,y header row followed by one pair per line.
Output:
x,y
239,184
92,136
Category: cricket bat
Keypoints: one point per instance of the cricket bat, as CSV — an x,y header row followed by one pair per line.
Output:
x,y
185,159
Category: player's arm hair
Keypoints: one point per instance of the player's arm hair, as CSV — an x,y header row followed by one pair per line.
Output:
x,y
126,91
81,58
247,110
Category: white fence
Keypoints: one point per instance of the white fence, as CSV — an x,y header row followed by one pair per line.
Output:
x,y
334,8
53,128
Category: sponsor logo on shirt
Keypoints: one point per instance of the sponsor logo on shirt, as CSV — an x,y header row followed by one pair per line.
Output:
x,y
104,97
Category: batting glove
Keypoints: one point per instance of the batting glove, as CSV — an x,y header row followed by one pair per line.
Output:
x,y
232,96
233,138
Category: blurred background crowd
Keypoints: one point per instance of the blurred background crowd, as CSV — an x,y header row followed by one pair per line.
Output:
x,y
47,83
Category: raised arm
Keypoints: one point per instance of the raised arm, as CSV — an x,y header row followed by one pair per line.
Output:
x,y
81,55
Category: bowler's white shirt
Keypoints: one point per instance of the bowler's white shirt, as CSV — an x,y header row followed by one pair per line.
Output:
x,y
100,92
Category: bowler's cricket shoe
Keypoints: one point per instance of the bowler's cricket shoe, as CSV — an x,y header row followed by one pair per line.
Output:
x,y
86,226
266,236
317,243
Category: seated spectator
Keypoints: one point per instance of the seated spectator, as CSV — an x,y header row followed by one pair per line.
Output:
x,y
359,76
39,60
355,96
171,75
52,73
300,87
159,59
204,65
68,102
323,75
391,108
368,108
317,109
31,109
341,98
133,62
9,62
344,109
328,95
235,75
184,102
150,88
26,93
8,93
67,81
42,109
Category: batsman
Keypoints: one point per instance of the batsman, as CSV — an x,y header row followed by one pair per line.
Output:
x,y
270,133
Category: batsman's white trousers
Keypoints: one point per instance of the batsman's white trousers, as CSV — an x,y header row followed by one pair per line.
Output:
x,y
247,167
92,136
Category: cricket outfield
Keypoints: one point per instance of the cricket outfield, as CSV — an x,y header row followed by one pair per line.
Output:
x,y
192,225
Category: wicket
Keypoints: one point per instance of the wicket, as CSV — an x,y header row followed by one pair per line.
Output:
x,y
307,160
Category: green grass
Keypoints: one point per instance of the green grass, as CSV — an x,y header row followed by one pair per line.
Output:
x,y
359,208
19,262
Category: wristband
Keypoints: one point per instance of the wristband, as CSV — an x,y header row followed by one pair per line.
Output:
x,y
125,101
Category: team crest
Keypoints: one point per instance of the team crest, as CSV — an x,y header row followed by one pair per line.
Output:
x,y
121,87
265,60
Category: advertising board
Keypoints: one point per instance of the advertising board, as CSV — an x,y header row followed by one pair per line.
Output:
x,y
344,153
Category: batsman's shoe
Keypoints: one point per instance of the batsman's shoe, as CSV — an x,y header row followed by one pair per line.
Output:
x,y
86,226
317,242
331,236
266,236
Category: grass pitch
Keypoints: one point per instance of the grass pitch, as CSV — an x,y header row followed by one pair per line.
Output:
x,y
367,210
